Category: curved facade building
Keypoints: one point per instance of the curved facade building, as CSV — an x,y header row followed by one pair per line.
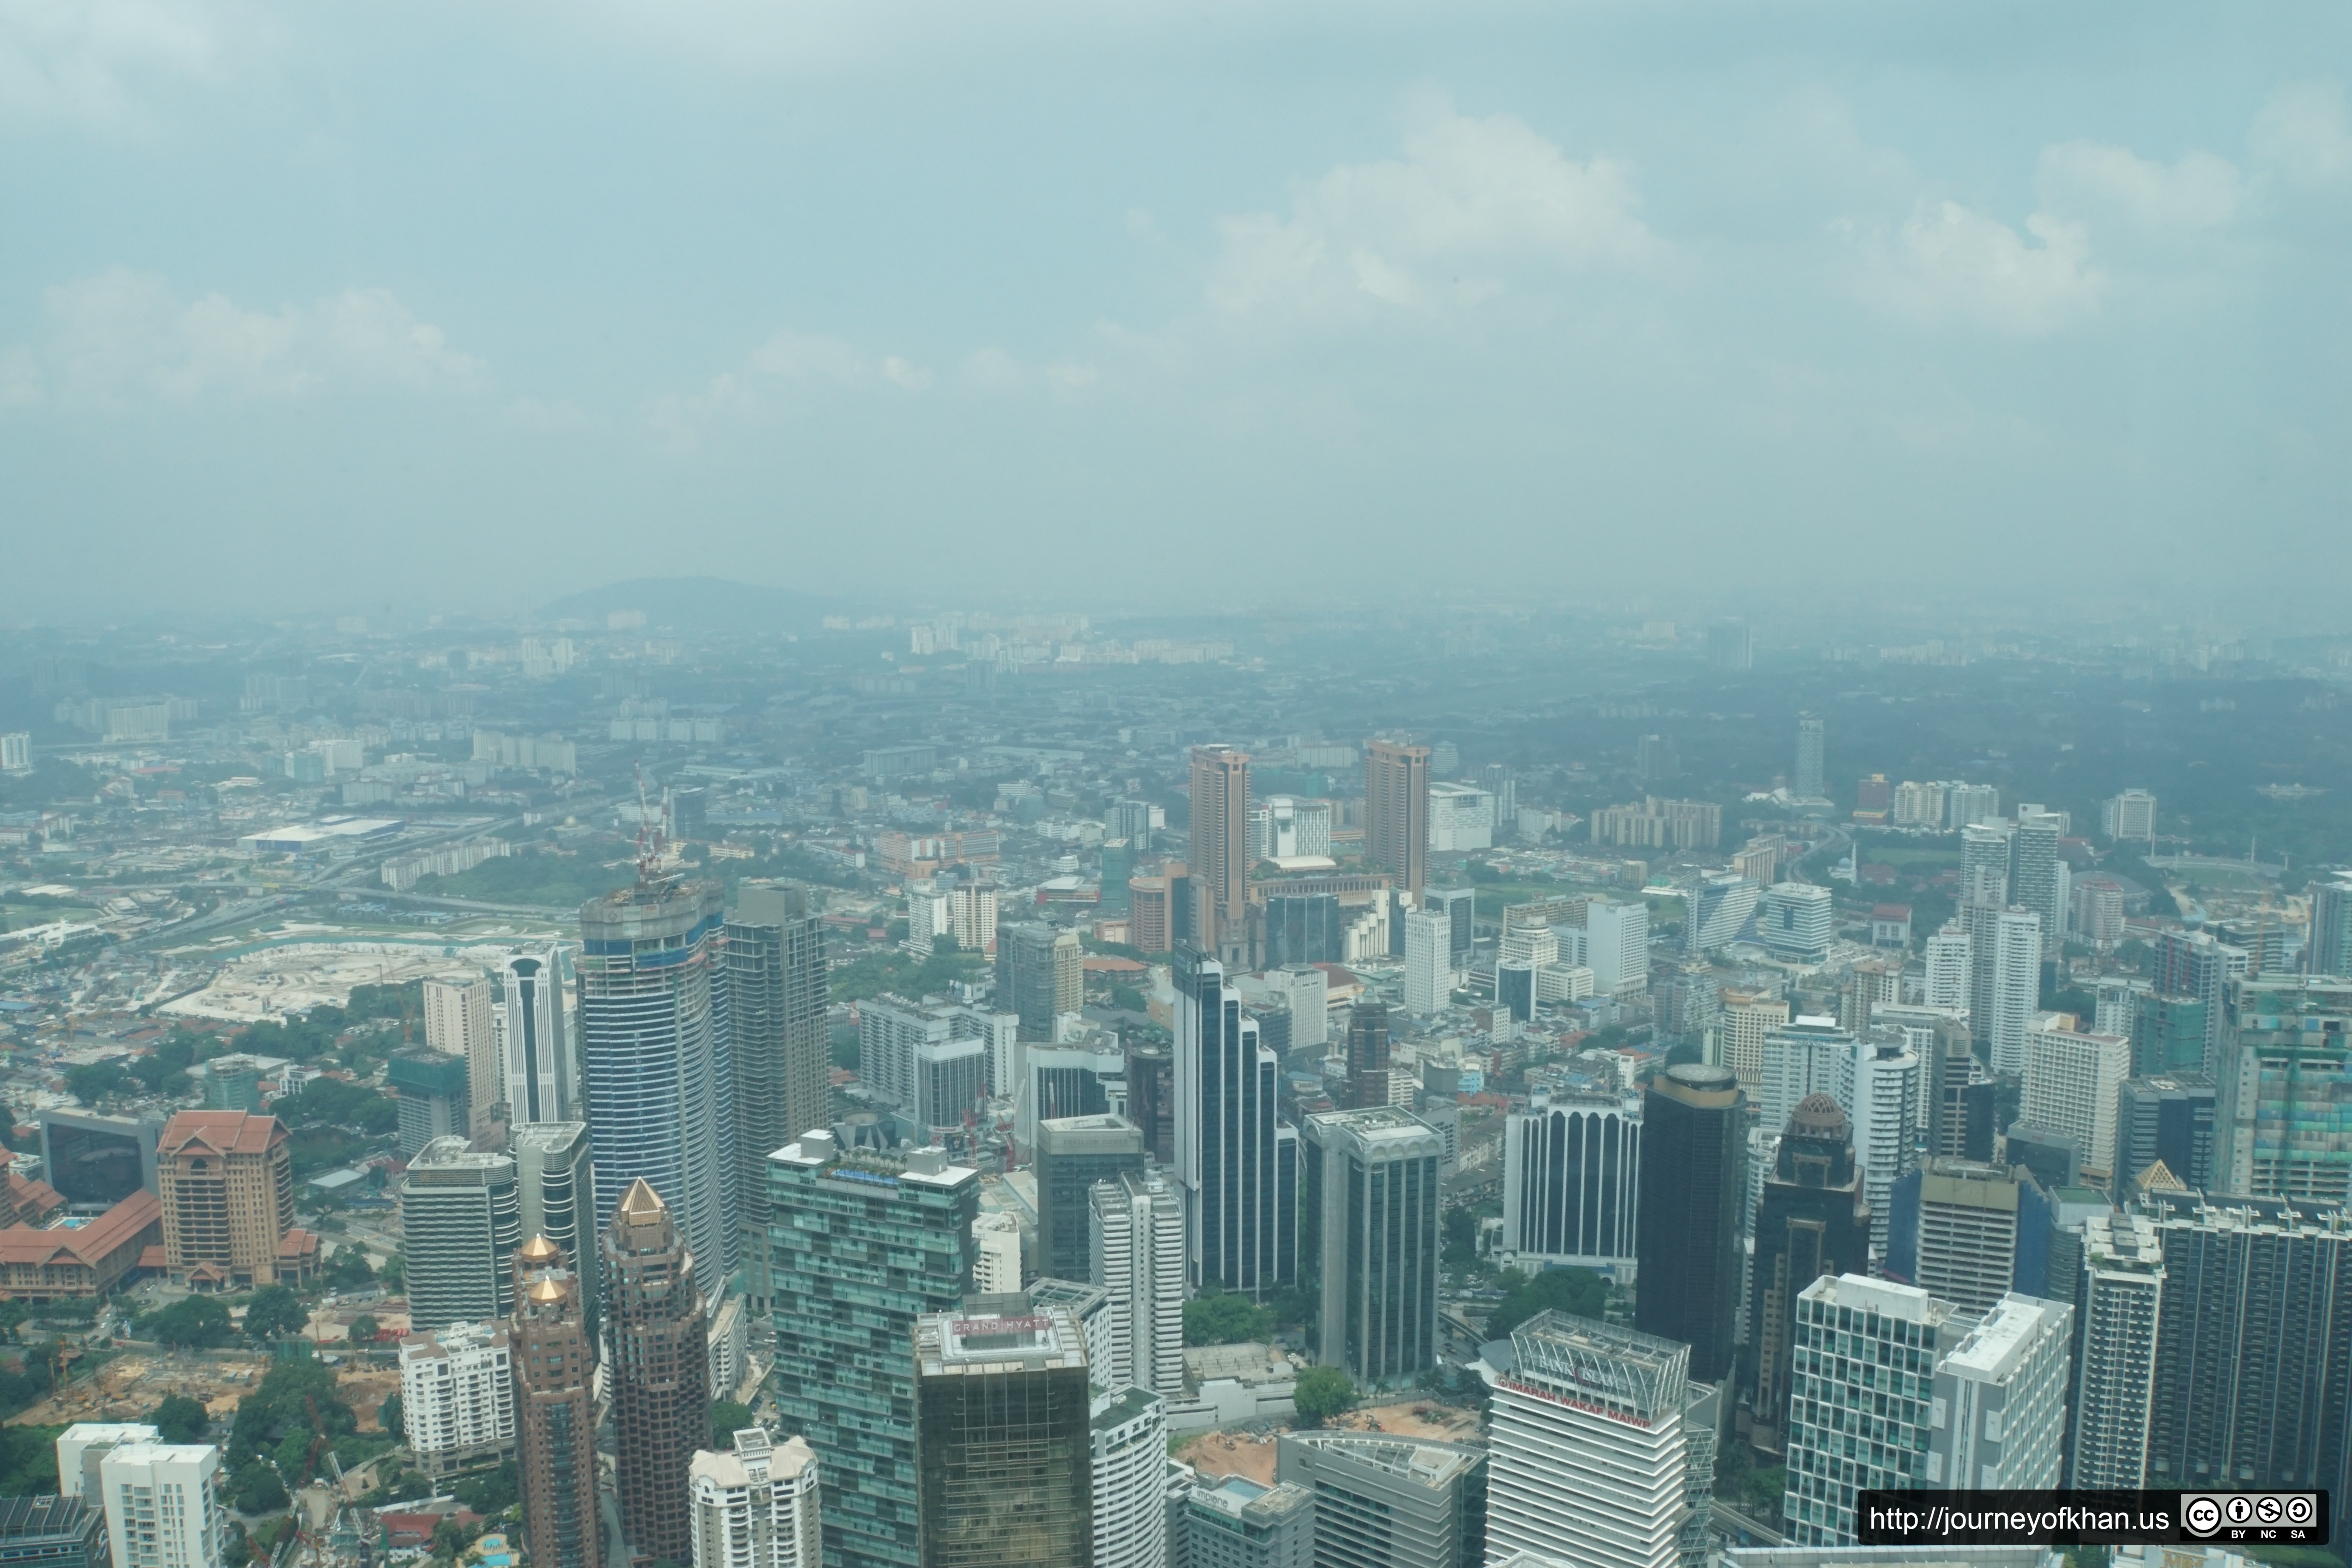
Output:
x,y
1571,1183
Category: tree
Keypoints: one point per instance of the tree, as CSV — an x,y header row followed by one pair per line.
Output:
x,y
1578,1292
96,1080
364,1328
392,1415
492,1492
200,1321
1322,1392
1219,1318
258,1488
395,1272
296,1393
180,1419
274,1309
727,1418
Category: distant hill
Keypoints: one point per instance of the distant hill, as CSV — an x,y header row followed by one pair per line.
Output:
x,y
712,603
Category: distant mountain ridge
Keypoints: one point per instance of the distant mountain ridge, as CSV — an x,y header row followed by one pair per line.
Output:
x,y
709,603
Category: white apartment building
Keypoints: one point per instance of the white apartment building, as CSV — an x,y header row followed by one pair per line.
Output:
x,y
1748,1019
16,753
1136,1240
2002,1393
756,1506
1809,1054
83,1446
1948,969
996,1254
160,1508
1461,817
2130,815
456,1397
1617,946
2123,1303
2016,986
2072,1082
1884,1110
1130,1479
1797,921
1428,964
457,1023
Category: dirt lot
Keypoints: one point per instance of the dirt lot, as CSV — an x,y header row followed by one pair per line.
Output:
x,y
134,1384
365,1392
1415,1420
1230,1454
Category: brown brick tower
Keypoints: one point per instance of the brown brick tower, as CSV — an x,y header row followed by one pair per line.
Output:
x,y
659,1379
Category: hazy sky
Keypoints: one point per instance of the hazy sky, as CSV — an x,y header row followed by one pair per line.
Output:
x,y
465,306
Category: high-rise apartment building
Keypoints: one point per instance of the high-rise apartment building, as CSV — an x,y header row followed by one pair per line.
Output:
x,y
861,1245
17,751
1136,1252
1221,852
1813,1219
1617,946
2168,1036
1948,969
2120,1296
458,1397
651,1047
1073,1153
1971,1219
52,1531
1396,811
161,1508
1368,1237
779,1050
1809,1054
1235,1161
1750,1018
2074,1083
1587,1446
2285,1111
461,1216
1428,962
1848,1328
227,1178
82,1446
1460,908
660,1381
2128,817
432,1095
459,1023
2168,1119
2036,876
1730,645
2329,948
2197,963
1884,1108
1004,1441
1387,1501
1718,910
555,1188
755,1505
1694,1136
2013,988
2003,1390
554,1353
1571,1182
1131,1463
541,1072
1809,779
1040,975
1796,922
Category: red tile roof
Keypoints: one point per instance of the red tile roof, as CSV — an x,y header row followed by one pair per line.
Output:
x,y
1890,912
221,1132
91,1243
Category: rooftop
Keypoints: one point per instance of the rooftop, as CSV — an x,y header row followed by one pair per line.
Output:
x,y
219,1133
1992,1349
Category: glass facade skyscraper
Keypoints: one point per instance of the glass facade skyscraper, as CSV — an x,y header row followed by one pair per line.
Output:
x,y
1368,1239
1004,1440
1237,1164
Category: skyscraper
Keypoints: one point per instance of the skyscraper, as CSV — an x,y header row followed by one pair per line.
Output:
x,y
755,1504
1571,1182
1131,1477
1972,1219
2035,877
660,1373
1718,911
1885,1330
862,1245
556,1409
1073,1153
555,1186
1730,645
2195,963
1040,975
1221,852
2169,1119
1136,1252
2015,986
1367,1055
2004,1390
1809,1054
1369,1240
650,1047
461,1216
777,1041
541,1071
1004,1441
1693,1138
227,1181
160,1507
1428,962
456,1397
1948,969
1959,1108
431,1089
1396,811
1885,1113
1809,782
2328,949
1234,1161
1151,1097
1813,1219
1388,1501
2285,1112
2074,1082
2121,1298
458,1022
1797,921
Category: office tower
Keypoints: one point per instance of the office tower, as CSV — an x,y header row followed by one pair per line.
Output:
x,y
1428,962
227,1181
2004,1390
554,1184
84,1444
2036,871
2327,950
2165,1121
431,1092
1809,782
1750,1018
1959,1108
458,1397
1812,1219
1948,969
2120,1295
2052,1155
1135,1237
161,1510
1730,645
653,1060
1130,820
461,1215
1004,1441
755,1504
458,1022
1796,922
1385,1501
1040,975
555,1408
1971,1220
659,1380
1617,946
777,1038
1234,1522
950,1081
1809,1054
1461,817
1221,852
2253,1349
1571,1182
2195,963
1152,1097
1148,915
1654,761
1718,909
1460,908
1233,1162
1396,811
1983,894
2072,1084
2117,1012
1693,1135
844,1310
1073,1153
1847,1328
2168,1035
2014,987
1367,1055
1128,1438
52,1531
1587,1446
1116,865
541,1073
2129,816
1369,1235
2285,1111
1307,994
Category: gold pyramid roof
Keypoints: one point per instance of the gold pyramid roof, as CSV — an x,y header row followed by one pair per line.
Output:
x,y
2159,1178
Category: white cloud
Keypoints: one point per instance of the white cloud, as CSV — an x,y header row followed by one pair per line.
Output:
x,y
2098,181
1469,200
2302,134
1951,263
800,356
904,374
98,64
123,337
